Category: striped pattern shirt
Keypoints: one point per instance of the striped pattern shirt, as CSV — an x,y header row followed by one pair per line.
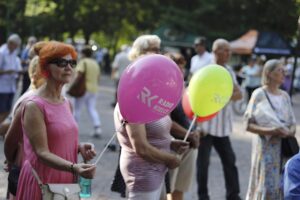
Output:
x,y
141,175
221,124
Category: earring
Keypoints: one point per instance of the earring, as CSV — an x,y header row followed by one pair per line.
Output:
x,y
45,74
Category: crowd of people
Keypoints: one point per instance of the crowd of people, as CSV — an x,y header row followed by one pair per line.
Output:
x,y
41,128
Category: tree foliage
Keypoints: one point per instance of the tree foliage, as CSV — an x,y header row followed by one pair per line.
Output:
x,y
230,18
121,20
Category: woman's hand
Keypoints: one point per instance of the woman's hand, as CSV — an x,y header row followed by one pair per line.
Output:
x,y
85,170
179,146
173,162
194,139
87,151
280,132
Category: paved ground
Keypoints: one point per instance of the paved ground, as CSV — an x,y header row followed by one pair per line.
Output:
x,y
241,142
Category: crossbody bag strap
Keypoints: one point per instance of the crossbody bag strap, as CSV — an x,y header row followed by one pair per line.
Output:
x,y
267,96
36,176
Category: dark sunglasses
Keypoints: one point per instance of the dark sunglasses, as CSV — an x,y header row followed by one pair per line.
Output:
x,y
62,63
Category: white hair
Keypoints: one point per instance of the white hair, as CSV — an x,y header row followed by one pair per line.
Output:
x,y
141,44
269,66
219,43
14,38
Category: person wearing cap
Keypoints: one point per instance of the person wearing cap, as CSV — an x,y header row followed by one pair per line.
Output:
x,y
10,66
202,58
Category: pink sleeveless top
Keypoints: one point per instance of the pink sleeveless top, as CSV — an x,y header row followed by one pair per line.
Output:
x,y
141,175
62,137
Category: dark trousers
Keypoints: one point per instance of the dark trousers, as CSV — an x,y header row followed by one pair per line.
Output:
x,y
224,149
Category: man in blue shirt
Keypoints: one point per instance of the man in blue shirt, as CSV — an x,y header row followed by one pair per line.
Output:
x,y
291,179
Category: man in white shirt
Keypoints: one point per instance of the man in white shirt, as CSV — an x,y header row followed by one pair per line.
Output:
x,y
10,67
216,133
252,73
202,58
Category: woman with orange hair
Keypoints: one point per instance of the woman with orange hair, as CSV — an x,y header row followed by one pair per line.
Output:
x,y
50,133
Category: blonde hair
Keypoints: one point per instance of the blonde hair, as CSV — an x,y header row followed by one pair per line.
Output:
x,y
35,74
141,45
269,66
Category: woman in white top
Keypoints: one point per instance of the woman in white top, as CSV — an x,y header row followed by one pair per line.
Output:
x,y
269,121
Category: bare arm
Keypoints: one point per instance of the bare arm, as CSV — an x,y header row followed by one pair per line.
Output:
x,y
35,127
254,128
13,137
179,131
113,73
237,93
140,144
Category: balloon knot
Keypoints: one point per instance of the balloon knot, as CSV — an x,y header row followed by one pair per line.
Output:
x,y
124,122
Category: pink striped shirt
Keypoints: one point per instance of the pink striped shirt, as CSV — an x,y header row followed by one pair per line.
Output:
x,y
141,175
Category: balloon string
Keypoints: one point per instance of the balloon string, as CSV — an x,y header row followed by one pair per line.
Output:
x,y
101,154
190,128
123,123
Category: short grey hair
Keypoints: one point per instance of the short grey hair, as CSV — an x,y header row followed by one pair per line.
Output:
x,y
269,66
14,38
141,44
219,43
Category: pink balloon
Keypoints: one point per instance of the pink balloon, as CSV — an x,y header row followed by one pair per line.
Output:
x,y
149,89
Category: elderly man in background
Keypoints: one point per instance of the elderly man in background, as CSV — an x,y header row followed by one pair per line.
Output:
x,y
217,133
202,58
10,67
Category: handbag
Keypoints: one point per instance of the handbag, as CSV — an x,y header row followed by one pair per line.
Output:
x,y
289,145
77,87
58,191
13,178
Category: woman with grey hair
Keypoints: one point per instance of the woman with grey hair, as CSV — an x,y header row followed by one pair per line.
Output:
x,y
269,116
143,45
147,149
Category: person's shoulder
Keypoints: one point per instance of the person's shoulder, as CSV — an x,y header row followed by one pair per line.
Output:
x,y
284,93
31,105
258,93
294,164
194,56
3,49
208,54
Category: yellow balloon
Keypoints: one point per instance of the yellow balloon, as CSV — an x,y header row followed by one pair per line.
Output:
x,y
210,89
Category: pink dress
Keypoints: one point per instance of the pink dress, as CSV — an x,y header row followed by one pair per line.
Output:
x,y
62,136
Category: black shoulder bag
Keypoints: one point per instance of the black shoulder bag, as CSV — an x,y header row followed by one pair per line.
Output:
x,y
289,145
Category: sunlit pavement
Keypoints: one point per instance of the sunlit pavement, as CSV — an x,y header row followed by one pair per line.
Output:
x,y
241,142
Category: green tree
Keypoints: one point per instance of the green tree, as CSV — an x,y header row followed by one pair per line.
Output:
x,y
230,18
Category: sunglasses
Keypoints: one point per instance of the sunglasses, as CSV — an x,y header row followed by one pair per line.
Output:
x,y
63,63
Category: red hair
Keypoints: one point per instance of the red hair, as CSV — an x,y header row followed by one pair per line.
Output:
x,y
48,51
